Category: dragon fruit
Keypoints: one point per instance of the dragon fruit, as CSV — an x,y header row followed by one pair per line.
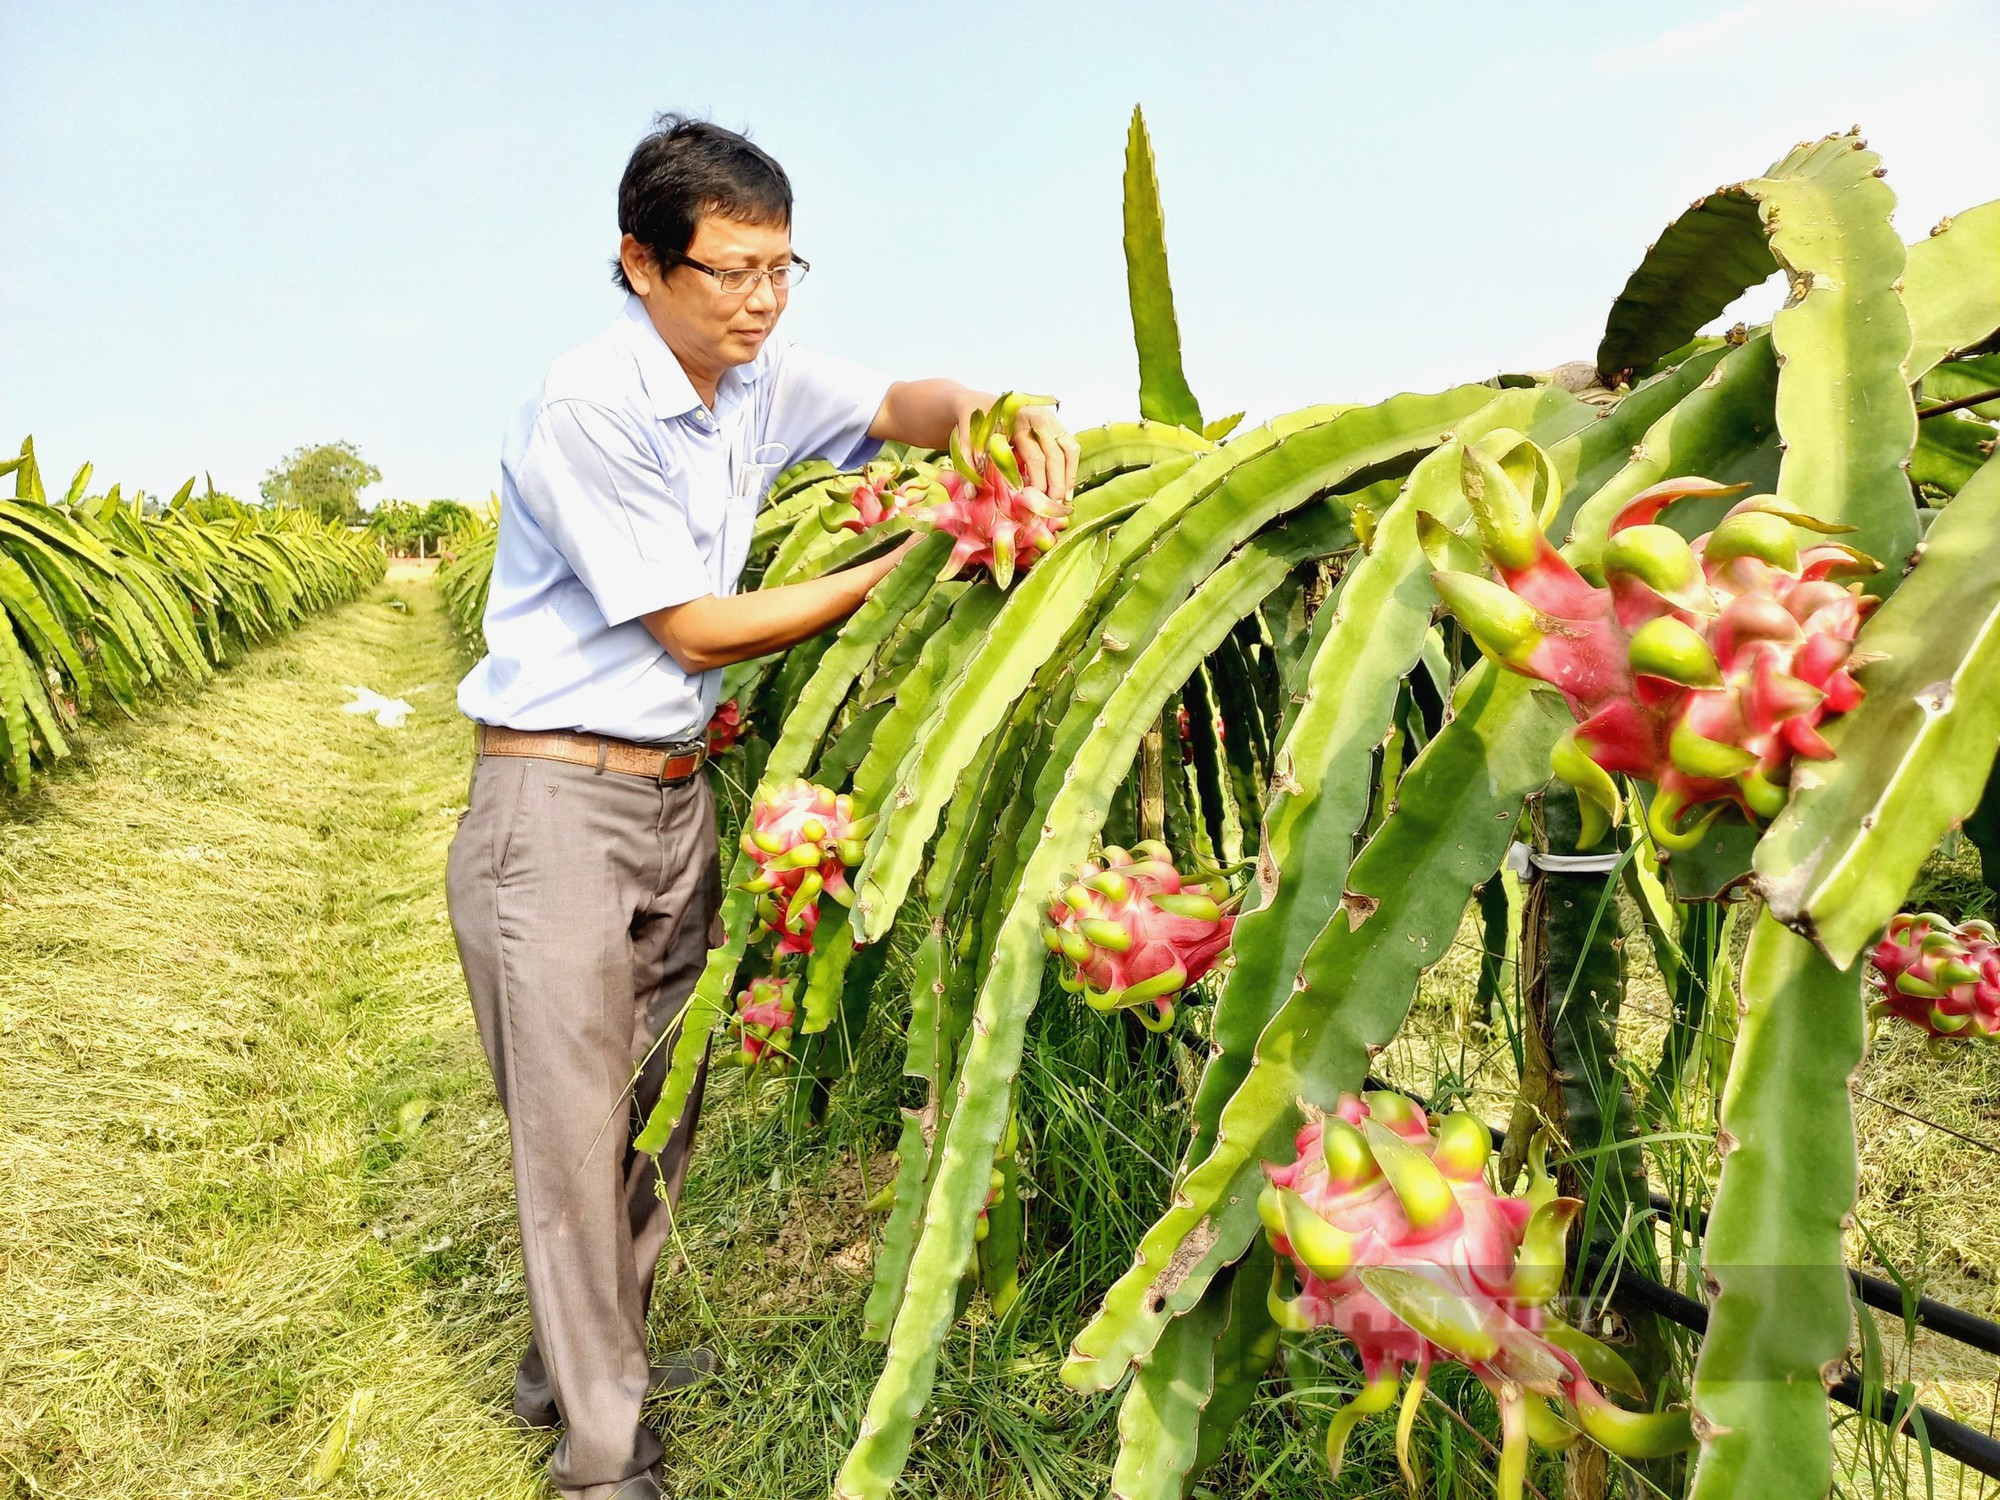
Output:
x,y
1704,668
1135,932
1000,524
1398,1244
878,497
725,728
1941,978
764,1016
804,839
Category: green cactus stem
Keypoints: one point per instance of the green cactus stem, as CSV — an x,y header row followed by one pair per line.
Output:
x,y
1949,288
1704,261
1780,1318
1163,389
1037,614
1912,759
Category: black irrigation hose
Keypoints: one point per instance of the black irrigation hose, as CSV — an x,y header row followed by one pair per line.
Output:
x,y
1970,1446
1977,398
1939,1317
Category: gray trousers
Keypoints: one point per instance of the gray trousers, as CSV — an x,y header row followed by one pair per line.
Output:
x,y
585,904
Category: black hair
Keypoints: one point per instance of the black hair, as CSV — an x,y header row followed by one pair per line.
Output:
x,y
686,168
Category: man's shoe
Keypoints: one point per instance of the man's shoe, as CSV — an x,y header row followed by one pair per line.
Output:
x,y
683,1368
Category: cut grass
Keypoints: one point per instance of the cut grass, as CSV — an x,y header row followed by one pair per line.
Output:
x,y
231,1028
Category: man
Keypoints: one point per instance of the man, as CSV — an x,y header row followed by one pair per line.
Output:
x,y
584,881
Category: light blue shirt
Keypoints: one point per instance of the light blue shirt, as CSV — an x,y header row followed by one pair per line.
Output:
x,y
620,494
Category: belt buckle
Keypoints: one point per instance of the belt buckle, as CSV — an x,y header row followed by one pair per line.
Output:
x,y
673,751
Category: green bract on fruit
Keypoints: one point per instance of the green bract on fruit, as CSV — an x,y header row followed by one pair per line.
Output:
x,y
764,1015
999,523
1134,932
1398,1243
1941,978
803,838
1701,667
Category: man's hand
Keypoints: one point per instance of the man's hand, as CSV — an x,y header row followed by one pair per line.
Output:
x,y
923,413
1046,451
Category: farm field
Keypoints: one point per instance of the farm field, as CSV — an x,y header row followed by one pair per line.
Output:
x,y
1439,941
253,1179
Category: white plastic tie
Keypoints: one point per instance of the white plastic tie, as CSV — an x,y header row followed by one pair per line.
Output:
x,y
1577,864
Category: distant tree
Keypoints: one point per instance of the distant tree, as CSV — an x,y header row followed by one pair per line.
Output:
x,y
396,523
441,518
404,524
325,478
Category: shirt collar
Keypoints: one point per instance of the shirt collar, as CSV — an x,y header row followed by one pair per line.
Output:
x,y
669,390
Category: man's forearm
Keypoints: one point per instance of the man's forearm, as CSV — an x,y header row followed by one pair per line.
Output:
x,y
924,412
714,631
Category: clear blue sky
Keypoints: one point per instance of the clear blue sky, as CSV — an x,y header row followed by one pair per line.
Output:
x,y
229,229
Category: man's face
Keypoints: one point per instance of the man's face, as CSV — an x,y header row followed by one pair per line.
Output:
x,y
709,329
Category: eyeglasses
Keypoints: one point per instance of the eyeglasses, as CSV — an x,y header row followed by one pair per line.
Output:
x,y
742,279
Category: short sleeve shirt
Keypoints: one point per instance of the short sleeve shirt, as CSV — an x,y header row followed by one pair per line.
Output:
x,y
621,494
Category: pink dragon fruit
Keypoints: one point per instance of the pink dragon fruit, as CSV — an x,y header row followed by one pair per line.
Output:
x,y
999,523
1398,1244
764,1016
1704,668
1135,932
804,839
1941,979
877,497
725,727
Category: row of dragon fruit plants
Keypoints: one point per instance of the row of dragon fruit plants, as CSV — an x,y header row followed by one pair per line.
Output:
x,y
103,598
1228,747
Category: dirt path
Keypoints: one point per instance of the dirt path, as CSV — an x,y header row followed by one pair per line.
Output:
x,y
251,1177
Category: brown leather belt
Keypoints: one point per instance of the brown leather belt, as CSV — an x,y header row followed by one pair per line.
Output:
x,y
676,763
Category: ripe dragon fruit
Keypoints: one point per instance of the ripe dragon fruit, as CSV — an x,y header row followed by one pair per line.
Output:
x,y
1704,668
999,523
1398,1244
725,727
1940,978
764,1016
1135,932
804,839
878,497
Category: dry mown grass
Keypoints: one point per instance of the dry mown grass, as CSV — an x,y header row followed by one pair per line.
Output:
x,y
231,1031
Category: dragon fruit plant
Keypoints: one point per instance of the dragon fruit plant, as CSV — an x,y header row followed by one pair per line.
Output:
x,y
803,839
999,523
725,728
1942,979
764,1017
1134,932
1399,1245
1701,667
